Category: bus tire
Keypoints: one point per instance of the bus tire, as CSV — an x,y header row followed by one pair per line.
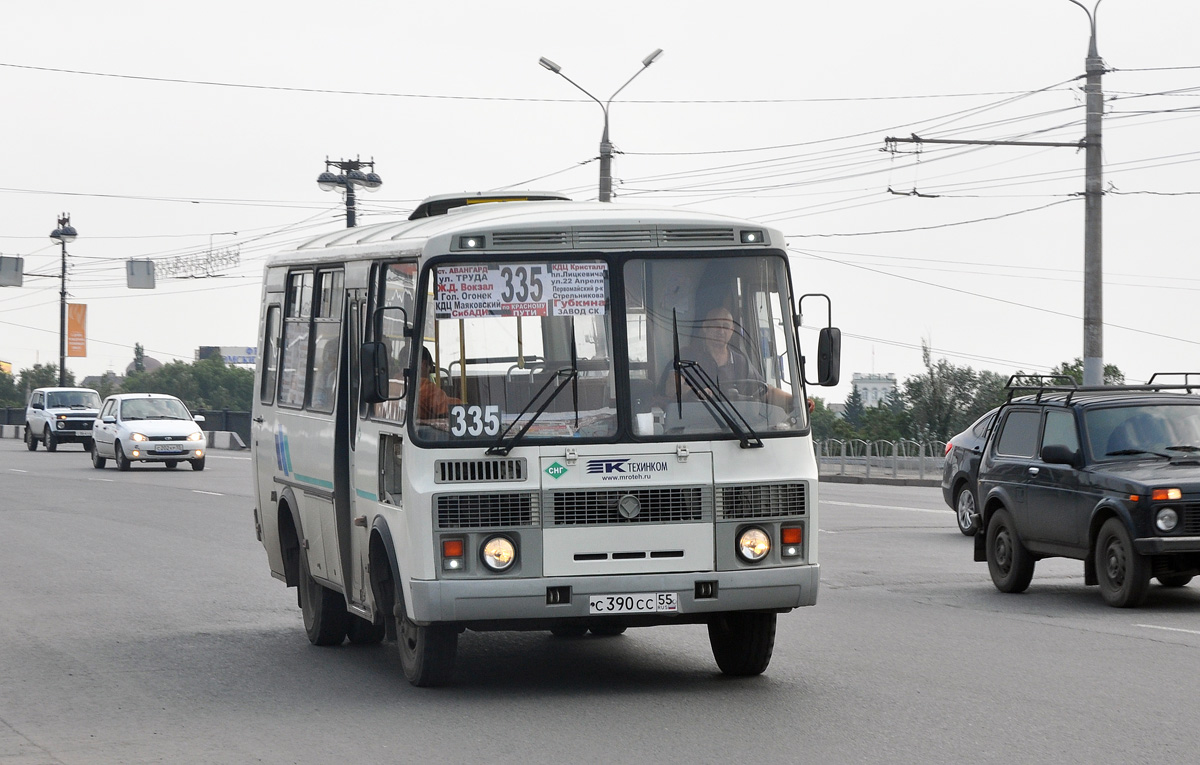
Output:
x,y
426,653
742,642
359,631
323,609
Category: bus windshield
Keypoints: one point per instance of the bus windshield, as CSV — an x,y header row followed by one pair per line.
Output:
x,y
511,345
712,347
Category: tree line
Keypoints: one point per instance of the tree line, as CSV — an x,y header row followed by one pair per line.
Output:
x,y
934,405
209,384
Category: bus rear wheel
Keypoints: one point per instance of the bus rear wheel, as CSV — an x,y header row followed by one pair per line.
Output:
x,y
742,643
427,653
324,610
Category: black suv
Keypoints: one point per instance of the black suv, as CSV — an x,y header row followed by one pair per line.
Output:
x,y
1107,475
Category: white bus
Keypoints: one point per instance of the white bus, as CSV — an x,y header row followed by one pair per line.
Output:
x,y
546,415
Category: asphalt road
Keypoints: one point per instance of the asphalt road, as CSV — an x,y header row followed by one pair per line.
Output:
x,y
139,624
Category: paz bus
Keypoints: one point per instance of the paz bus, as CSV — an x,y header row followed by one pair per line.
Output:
x,y
539,415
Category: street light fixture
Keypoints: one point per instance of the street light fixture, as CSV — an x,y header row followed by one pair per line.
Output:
x,y
63,234
351,176
605,146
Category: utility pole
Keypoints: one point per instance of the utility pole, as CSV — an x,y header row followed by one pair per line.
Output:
x,y
1093,272
1093,194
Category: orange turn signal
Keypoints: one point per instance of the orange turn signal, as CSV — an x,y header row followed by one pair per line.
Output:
x,y
791,536
452,548
1160,494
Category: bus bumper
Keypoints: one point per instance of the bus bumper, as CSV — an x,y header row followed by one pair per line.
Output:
x,y
475,600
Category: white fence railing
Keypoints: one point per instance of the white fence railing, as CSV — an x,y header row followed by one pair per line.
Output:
x,y
894,459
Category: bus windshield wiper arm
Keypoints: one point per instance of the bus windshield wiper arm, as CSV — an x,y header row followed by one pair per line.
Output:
x,y
504,444
709,393
716,402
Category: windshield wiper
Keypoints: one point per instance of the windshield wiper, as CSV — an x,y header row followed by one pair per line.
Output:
x,y
710,394
568,374
1130,452
1186,448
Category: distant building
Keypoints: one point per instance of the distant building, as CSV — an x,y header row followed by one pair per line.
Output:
x,y
874,389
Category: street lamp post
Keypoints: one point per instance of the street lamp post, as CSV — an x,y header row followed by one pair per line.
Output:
x,y
351,175
605,146
63,234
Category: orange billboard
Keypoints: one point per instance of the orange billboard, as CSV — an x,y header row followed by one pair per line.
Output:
x,y
76,330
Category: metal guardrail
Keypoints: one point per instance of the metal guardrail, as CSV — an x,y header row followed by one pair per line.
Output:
x,y
881,459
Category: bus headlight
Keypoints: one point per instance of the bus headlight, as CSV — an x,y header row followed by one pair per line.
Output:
x,y
1166,519
753,544
498,553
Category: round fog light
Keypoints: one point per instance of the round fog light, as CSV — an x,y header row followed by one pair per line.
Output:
x,y
1167,519
498,553
754,544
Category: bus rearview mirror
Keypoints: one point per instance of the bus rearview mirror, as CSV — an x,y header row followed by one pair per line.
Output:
x,y
829,356
373,371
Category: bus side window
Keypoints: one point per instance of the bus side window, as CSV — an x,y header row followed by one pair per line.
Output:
x,y
327,325
270,355
293,373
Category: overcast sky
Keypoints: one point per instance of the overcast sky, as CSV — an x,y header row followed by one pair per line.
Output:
x,y
162,128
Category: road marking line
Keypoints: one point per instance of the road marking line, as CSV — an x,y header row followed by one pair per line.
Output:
x,y
18,471
213,493
1167,629
885,507
106,480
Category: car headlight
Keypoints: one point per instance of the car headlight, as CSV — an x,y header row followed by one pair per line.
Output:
x,y
753,544
498,553
1166,519
137,437
196,436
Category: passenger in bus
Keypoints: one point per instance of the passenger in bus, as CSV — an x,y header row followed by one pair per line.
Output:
x,y
726,365
432,401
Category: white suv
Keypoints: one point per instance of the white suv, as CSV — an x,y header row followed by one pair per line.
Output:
x,y
60,416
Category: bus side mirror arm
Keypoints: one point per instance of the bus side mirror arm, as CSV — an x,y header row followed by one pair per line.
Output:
x,y
829,346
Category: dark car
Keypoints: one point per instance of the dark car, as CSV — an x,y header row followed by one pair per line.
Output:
x,y
1107,475
960,470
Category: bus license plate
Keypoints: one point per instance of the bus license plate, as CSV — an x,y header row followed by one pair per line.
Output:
x,y
640,603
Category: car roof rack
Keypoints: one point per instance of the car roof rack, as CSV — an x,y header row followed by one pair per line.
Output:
x,y
1043,384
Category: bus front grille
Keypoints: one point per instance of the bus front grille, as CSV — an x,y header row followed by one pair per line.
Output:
x,y
486,511
763,500
687,504
475,471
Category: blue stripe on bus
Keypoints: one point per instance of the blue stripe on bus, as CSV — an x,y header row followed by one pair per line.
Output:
x,y
366,495
314,481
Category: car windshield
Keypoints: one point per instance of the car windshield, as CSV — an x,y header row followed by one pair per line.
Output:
x,y
511,345
1132,431
154,409
73,399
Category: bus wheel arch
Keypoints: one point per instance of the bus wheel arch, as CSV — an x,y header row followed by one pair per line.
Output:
x,y
289,538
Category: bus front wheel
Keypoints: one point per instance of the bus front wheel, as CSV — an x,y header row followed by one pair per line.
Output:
x,y
742,642
427,653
